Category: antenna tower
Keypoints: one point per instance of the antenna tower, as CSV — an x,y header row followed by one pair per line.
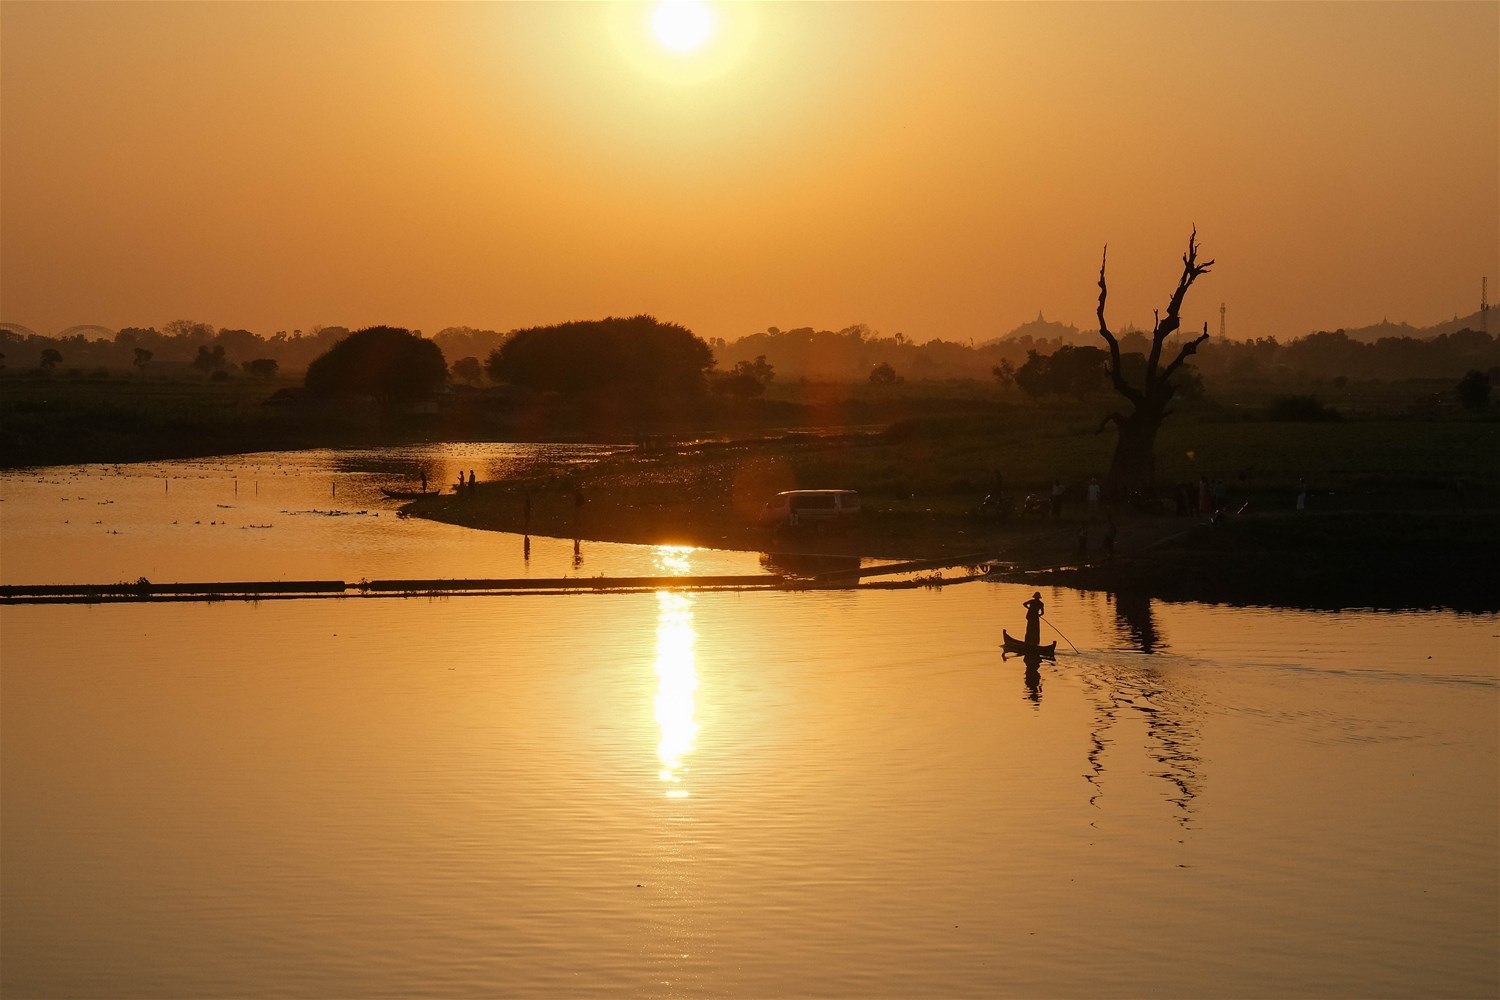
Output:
x,y
1221,321
1484,306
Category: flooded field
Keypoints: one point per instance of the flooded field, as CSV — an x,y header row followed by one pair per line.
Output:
x,y
674,794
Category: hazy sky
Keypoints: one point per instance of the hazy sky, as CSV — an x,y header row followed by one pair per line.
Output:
x,y
938,170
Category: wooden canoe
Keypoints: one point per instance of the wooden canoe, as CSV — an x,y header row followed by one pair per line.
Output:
x,y
1014,645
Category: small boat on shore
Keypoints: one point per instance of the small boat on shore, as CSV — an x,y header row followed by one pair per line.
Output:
x,y
1014,645
408,494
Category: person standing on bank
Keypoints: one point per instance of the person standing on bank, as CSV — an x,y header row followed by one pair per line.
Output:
x,y
1034,609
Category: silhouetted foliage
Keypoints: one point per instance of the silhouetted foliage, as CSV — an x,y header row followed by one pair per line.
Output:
x,y
1301,408
188,332
1385,351
468,369
760,369
1070,371
142,359
51,358
737,384
883,374
1474,390
638,354
467,341
747,380
1187,380
388,363
261,367
210,359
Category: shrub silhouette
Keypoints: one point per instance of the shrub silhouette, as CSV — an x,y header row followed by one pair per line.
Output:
x,y
1301,408
386,362
1474,390
639,353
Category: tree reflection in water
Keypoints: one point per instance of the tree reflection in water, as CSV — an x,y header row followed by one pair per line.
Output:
x,y
1135,623
1173,737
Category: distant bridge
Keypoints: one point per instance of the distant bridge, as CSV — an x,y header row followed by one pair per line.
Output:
x,y
89,330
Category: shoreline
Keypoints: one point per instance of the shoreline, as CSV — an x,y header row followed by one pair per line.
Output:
x,y
1315,560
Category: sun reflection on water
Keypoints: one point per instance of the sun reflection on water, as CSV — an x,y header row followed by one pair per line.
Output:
x,y
676,673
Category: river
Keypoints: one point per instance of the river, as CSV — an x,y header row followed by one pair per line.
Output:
x,y
822,794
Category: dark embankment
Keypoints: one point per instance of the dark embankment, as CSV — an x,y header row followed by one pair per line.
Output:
x,y
1324,561
1397,547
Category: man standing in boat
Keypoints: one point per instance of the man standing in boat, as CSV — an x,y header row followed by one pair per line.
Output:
x,y
1034,609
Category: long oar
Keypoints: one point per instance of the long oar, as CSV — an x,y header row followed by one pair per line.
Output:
x,y
1059,632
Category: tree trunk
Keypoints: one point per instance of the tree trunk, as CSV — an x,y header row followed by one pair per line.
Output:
x,y
1134,464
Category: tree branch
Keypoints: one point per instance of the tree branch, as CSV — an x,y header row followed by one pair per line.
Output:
x,y
1110,418
1123,387
1191,347
1191,270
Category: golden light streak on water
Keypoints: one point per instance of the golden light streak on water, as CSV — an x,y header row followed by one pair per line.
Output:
x,y
676,673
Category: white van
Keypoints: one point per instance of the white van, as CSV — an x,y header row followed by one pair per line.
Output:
x,y
798,508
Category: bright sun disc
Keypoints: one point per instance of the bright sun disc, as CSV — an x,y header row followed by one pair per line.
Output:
x,y
682,25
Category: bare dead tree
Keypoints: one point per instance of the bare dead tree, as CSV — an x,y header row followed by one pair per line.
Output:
x,y
1134,463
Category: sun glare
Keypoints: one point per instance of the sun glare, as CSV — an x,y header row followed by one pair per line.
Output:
x,y
684,42
682,25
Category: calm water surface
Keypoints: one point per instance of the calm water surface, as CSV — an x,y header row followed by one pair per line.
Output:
x,y
758,794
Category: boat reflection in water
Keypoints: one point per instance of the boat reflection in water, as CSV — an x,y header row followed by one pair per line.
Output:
x,y
1033,677
676,672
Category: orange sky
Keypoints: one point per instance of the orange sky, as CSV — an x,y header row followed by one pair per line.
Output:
x,y
938,170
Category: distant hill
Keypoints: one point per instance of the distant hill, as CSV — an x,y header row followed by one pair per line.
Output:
x,y
1385,328
1042,328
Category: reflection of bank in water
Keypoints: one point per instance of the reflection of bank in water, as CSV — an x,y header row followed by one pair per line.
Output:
x,y
808,564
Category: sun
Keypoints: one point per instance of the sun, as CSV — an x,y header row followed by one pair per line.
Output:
x,y
682,25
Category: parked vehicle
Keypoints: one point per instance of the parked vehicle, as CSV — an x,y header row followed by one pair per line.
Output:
x,y
994,507
805,508
1035,505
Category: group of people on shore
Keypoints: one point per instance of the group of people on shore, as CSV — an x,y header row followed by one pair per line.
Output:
x,y
1093,497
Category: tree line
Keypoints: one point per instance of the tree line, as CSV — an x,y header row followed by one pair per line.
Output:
x,y
1049,358
184,346
855,352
